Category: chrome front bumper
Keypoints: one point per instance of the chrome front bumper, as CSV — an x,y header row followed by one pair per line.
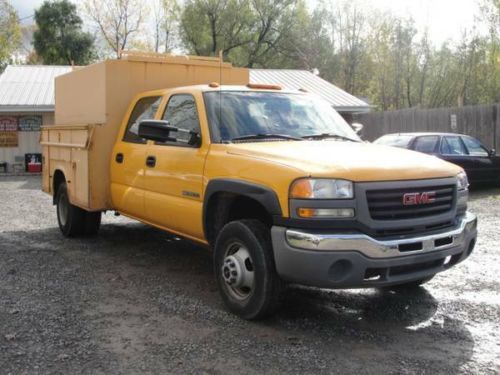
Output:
x,y
374,248
353,260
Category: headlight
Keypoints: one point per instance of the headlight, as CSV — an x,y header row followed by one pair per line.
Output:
x,y
462,181
321,188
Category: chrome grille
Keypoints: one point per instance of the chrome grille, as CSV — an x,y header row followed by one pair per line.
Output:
x,y
387,204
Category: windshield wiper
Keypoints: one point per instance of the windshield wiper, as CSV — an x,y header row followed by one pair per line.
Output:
x,y
328,135
266,136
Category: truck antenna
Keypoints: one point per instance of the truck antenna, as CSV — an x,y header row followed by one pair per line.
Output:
x,y
221,57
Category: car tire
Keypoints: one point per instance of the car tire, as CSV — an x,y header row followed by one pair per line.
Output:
x,y
245,269
411,285
71,219
92,223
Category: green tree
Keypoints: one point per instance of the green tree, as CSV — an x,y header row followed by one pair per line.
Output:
x,y
490,13
165,17
366,52
209,26
59,38
250,33
10,32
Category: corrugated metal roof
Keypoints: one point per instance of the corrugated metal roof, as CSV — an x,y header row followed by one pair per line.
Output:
x,y
303,79
29,87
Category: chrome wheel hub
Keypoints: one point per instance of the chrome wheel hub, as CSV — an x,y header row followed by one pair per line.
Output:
x,y
232,271
238,272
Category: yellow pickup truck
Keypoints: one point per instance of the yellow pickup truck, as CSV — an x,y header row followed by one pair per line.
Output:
x,y
275,182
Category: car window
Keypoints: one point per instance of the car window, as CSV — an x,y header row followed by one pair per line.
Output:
x,y
426,144
474,147
181,113
452,146
396,140
145,109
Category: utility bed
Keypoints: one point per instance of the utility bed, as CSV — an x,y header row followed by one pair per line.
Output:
x,y
90,106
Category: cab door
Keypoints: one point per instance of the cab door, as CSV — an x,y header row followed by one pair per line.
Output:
x,y
129,158
174,174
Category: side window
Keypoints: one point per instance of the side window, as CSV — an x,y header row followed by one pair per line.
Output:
x,y
452,146
145,109
474,147
181,113
426,144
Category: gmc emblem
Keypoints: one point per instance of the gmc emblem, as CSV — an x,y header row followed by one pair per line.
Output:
x,y
412,199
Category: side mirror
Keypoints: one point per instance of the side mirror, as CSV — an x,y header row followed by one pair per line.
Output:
x,y
493,152
357,127
156,130
160,130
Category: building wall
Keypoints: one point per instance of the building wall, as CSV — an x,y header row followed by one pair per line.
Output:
x,y
28,141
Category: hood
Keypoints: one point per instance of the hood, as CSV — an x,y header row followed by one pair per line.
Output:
x,y
348,160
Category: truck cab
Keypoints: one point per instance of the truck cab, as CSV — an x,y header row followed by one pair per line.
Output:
x,y
283,191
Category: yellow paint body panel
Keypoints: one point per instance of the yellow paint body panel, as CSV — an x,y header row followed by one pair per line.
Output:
x,y
171,195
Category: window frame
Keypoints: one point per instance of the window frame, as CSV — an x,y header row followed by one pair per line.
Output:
x,y
488,152
436,146
444,139
129,125
177,144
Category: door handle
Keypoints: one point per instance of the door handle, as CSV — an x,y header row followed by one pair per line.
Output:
x,y
119,158
151,161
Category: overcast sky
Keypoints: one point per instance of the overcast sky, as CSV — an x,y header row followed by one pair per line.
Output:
x,y
444,18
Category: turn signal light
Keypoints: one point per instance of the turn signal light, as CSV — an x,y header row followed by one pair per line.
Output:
x,y
338,213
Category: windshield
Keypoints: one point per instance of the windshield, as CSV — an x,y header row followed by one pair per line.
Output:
x,y
395,140
269,113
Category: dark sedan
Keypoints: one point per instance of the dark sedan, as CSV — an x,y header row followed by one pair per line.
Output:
x,y
481,164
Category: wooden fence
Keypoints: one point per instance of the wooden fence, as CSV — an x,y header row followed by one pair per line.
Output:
x,y
481,121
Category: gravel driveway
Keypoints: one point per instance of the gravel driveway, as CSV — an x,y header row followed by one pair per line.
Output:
x,y
136,300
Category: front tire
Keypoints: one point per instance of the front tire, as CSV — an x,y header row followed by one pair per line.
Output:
x,y
245,270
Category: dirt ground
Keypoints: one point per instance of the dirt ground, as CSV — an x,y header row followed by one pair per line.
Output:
x,y
136,300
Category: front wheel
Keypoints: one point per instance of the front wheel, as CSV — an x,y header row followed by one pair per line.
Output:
x,y
245,271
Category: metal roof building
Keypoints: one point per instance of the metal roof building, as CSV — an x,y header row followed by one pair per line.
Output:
x,y
29,88
342,101
26,103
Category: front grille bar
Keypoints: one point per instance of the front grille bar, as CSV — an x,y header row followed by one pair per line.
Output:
x,y
388,204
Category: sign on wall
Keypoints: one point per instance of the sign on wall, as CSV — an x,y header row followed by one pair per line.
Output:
x,y
8,131
30,123
453,122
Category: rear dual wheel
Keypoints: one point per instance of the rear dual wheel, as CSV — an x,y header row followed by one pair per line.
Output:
x,y
74,221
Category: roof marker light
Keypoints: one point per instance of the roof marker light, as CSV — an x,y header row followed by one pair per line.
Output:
x,y
264,86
